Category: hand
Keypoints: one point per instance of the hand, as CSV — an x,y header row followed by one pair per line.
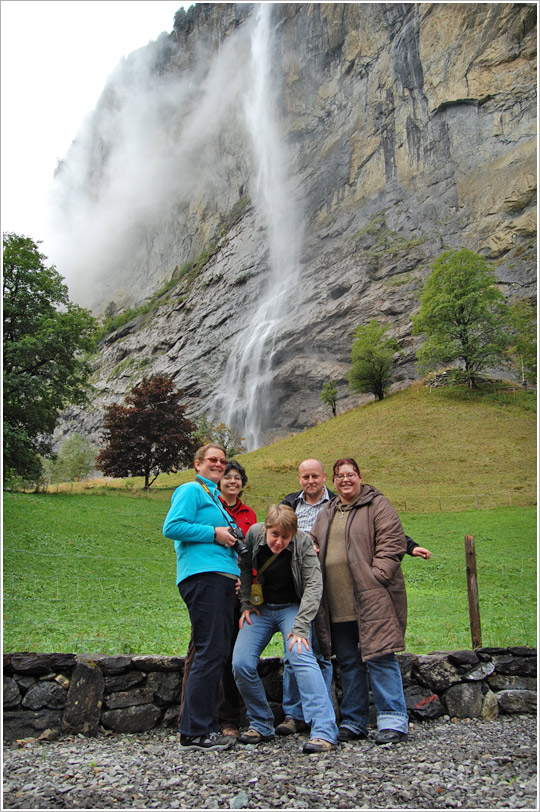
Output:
x,y
245,616
297,641
422,552
237,586
224,537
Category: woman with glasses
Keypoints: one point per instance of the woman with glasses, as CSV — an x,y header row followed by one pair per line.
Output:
x,y
363,611
231,485
207,572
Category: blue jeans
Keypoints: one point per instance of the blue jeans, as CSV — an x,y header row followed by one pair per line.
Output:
x,y
250,643
209,598
386,684
292,704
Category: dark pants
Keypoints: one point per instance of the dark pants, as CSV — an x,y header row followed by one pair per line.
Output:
x,y
209,598
231,703
384,675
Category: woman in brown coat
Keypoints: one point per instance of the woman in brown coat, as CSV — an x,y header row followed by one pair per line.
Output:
x,y
363,612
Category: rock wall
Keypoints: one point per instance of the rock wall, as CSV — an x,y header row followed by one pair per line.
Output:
x,y
409,129
46,695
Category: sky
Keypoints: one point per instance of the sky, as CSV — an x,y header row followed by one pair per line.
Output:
x,y
56,56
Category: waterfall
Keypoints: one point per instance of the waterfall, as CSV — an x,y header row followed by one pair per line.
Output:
x,y
246,406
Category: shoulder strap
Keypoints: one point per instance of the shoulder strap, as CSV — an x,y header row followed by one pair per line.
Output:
x,y
265,565
218,503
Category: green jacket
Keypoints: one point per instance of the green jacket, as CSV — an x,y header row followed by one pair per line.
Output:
x,y
306,573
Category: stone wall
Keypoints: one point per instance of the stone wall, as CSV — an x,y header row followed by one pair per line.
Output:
x,y
46,695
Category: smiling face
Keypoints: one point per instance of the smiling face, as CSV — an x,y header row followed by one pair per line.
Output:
x,y
212,464
230,486
311,478
348,482
277,539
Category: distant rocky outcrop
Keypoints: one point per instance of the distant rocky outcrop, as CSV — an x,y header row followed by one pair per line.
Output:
x,y
407,129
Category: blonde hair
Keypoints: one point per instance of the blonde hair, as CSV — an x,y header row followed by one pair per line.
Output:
x,y
282,517
199,454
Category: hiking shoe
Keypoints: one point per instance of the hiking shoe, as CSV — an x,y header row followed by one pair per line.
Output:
x,y
289,726
318,746
389,736
253,736
345,734
230,731
210,741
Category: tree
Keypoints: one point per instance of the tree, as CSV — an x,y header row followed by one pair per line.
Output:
x,y
45,338
149,435
523,339
463,315
222,434
372,358
75,460
329,395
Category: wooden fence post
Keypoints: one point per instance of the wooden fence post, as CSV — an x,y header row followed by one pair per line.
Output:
x,y
472,592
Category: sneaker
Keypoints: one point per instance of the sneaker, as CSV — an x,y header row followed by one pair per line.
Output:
x,y
345,734
289,726
389,736
253,736
210,741
318,746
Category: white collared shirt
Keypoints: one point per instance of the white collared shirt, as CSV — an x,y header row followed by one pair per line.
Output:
x,y
307,513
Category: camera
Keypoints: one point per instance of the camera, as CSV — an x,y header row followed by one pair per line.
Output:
x,y
239,547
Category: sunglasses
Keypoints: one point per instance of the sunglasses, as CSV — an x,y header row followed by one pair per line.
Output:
x,y
216,460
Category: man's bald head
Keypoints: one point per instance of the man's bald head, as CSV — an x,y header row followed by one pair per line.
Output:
x,y
311,477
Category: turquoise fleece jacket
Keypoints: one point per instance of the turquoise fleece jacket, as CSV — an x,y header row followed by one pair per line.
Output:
x,y
190,522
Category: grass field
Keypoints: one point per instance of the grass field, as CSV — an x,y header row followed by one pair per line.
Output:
x,y
91,572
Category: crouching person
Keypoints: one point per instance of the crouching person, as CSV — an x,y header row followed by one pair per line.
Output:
x,y
284,596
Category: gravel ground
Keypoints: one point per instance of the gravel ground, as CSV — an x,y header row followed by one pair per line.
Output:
x,y
464,764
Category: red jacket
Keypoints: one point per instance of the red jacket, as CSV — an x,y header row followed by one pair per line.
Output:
x,y
243,515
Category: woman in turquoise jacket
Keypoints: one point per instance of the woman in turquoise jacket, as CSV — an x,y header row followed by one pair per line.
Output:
x,y
206,575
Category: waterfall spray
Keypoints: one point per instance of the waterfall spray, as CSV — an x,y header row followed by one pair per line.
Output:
x,y
247,405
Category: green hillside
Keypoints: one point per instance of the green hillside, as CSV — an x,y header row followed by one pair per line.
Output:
x,y
91,570
425,449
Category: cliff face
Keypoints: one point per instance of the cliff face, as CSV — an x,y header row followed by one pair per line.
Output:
x,y
387,132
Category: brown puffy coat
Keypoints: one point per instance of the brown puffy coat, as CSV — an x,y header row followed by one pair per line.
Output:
x,y
375,546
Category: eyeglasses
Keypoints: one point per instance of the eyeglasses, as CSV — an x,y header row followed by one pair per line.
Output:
x,y
216,461
339,477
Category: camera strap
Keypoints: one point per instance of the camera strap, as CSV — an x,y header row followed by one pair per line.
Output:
x,y
218,503
266,564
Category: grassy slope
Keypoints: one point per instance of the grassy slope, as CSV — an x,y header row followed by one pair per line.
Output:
x,y
92,572
89,572
416,446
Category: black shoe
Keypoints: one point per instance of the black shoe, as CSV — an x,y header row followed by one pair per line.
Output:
x,y
345,734
210,741
389,736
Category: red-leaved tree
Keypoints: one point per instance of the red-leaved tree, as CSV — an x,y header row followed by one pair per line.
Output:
x,y
148,436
